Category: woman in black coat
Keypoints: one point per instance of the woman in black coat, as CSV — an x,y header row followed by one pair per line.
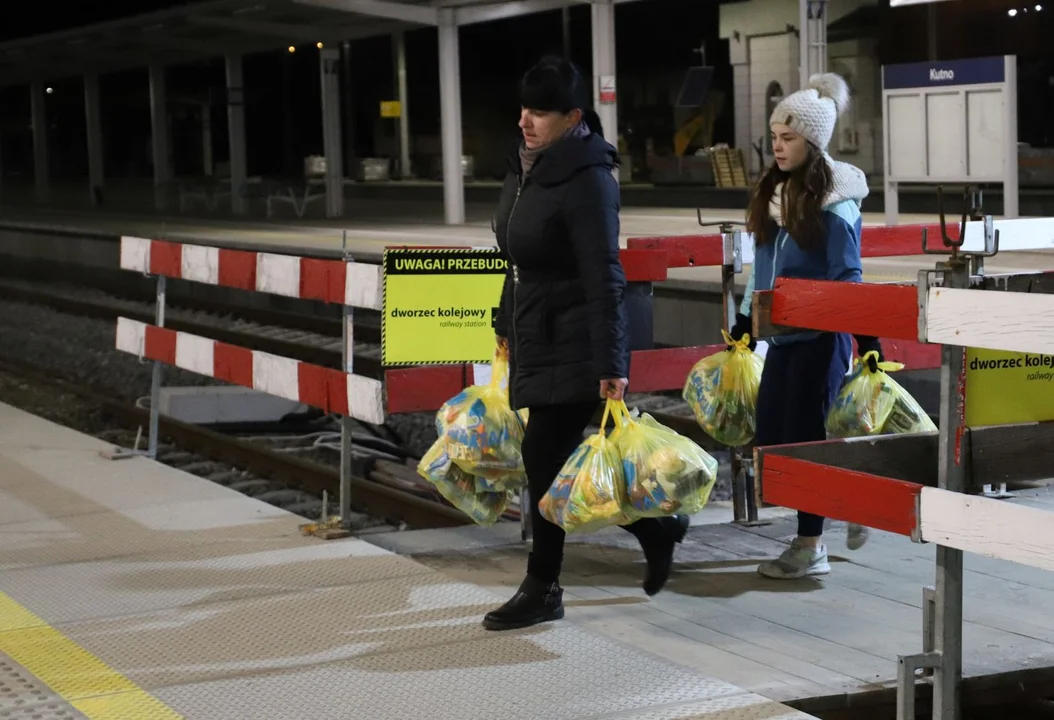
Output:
x,y
562,315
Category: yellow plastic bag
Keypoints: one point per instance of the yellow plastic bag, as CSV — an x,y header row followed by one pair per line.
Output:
x,y
459,488
482,434
666,473
722,391
589,493
875,404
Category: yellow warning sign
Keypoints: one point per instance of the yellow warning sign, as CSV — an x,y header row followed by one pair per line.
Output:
x,y
440,305
391,109
1003,388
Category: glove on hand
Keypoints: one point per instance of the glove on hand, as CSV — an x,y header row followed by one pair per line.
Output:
x,y
864,345
743,326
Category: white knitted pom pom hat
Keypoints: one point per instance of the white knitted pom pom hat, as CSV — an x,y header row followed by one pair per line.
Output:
x,y
812,112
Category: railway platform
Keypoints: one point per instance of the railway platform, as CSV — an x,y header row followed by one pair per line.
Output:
x,y
132,590
391,224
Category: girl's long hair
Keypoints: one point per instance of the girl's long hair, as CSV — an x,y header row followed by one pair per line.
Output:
x,y
804,190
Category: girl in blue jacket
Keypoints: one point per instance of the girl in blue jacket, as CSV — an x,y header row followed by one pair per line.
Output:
x,y
805,217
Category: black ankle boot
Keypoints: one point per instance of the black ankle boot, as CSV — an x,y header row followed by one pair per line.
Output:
x,y
659,552
535,602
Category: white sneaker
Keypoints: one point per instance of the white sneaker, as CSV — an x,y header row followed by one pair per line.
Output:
x,y
796,562
857,536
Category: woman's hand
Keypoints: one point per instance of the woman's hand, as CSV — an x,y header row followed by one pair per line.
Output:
x,y
613,388
503,345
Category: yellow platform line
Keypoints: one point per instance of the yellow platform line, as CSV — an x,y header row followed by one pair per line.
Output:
x,y
74,674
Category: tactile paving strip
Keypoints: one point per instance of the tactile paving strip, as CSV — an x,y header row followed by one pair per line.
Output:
x,y
23,697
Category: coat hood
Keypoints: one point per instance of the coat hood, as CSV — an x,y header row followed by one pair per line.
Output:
x,y
848,183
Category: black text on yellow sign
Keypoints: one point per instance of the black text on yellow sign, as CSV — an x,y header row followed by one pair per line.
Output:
x,y
440,304
1005,388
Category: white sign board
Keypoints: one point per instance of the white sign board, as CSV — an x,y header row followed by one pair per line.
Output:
x,y
950,122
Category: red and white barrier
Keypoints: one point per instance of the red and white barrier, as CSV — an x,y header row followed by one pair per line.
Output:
x,y
840,494
329,390
994,528
333,281
984,526
996,320
795,303
879,241
426,388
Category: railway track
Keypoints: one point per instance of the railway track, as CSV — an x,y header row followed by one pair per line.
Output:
x,y
385,487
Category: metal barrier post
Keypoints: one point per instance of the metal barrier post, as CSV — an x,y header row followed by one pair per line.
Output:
x,y
346,423
155,393
155,380
943,615
745,494
733,264
942,605
951,475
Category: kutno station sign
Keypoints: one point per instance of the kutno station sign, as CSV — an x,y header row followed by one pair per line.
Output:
x,y
951,122
440,305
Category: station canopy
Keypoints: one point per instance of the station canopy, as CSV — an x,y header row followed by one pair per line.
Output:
x,y
204,30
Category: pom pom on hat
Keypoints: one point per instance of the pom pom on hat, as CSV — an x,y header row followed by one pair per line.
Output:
x,y
833,86
813,111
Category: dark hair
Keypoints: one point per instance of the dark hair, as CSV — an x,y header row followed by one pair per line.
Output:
x,y
554,84
804,190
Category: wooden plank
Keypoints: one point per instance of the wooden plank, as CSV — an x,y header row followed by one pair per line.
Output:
x,y
1014,321
684,250
988,527
741,662
1012,453
706,250
1041,281
1015,234
911,458
912,354
876,502
809,607
999,453
892,568
421,389
644,265
427,387
666,369
881,310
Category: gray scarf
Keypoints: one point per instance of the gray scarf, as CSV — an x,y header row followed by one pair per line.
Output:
x,y
528,157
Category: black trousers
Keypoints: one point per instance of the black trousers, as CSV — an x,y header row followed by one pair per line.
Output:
x,y
798,385
553,432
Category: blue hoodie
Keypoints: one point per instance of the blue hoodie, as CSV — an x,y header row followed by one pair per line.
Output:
x,y
837,259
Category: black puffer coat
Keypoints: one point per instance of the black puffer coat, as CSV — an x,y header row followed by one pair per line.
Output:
x,y
562,306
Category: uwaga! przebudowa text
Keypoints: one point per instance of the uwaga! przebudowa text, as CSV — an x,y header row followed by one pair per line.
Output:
x,y
475,262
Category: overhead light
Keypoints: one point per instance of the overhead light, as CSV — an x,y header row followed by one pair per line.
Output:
x,y
1038,8
49,90
1011,12
292,48
318,45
